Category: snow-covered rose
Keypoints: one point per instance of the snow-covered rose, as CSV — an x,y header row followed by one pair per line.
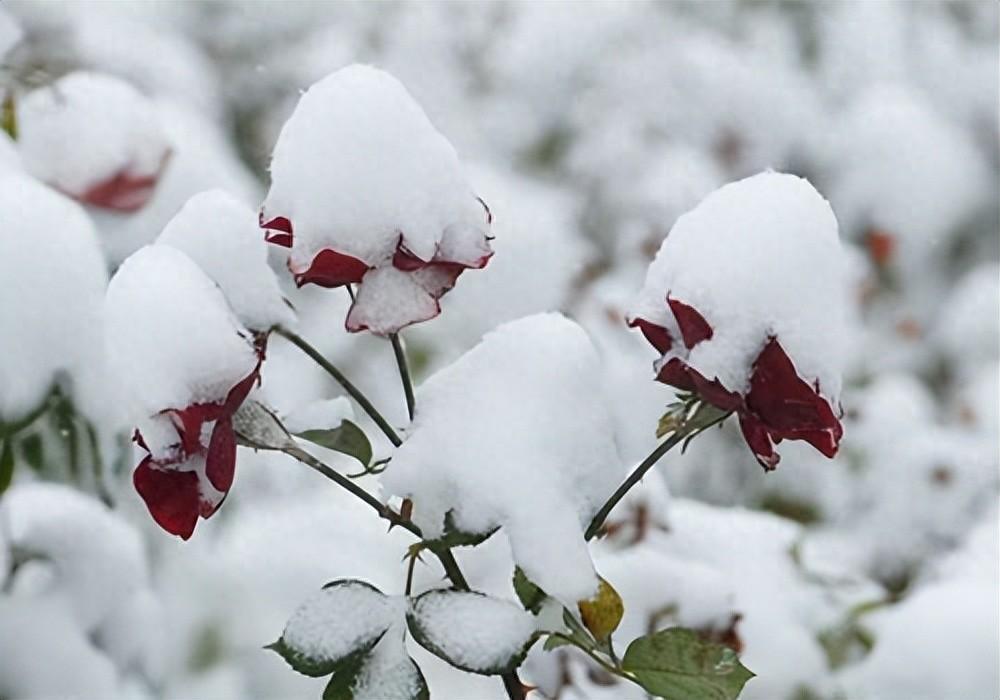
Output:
x,y
94,137
744,301
187,364
364,190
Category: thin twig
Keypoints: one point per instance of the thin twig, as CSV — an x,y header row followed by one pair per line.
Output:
x,y
633,479
344,382
404,372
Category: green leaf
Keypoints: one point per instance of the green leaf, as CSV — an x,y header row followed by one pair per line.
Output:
x,y
455,537
347,438
472,631
530,595
555,642
677,664
32,448
6,464
367,679
335,627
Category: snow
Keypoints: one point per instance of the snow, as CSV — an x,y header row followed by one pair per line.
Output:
x,y
86,128
756,258
471,630
340,619
358,165
171,335
10,32
220,233
388,672
516,433
58,281
968,329
324,414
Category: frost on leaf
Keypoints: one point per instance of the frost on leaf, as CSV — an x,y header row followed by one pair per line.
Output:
x,y
95,138
403,225
717,307
537,379
387,673
677,663
258,427
471,631
336,627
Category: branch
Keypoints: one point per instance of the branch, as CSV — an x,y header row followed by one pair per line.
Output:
x,y
404,372
344,382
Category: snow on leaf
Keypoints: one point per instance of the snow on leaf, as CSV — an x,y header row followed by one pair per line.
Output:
x,y
472,631
336,626
677,664
387,673
258,427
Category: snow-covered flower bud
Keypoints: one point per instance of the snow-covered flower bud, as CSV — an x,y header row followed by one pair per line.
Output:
x,y
187,364
744,303
364,190
95,138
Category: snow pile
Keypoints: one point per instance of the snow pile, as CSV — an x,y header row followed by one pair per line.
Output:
x,y
220,233
53,279
471,630
388,673
365,190
171,335
967,328
516,434
757,258
94,137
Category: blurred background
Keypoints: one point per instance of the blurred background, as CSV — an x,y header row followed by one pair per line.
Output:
x,y
588,128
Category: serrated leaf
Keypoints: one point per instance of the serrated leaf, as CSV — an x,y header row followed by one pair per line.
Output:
x,y
530,595
347,438
6,464
335,627
472,631
258,427
455,537
677,664
602,614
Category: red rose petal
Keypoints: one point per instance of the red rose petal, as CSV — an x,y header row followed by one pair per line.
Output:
x,y
220,460
171,497
403,259
657,336
694,328
331,269
759,440
278,230
123,192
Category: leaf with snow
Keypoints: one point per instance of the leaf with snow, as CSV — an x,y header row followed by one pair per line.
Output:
x,y
336,627
258,427
472,631
454,536
347,438
387,673
530,595
677,664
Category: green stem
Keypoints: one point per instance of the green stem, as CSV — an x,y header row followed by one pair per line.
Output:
x,y
404,372
344,382
634,478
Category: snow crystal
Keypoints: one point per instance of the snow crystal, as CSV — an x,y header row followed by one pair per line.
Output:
x,y
339,619
516,433
358,165
320,415
756,258
85,129
170,333
474,631
50,262
220,233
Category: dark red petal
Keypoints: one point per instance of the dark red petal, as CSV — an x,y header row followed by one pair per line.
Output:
x,y
404,259
331,269
124,191
439,277
881,246
238,394
759,440
220,460
675,373
171,497
658,336
712,391
278,230
694,328
789,407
